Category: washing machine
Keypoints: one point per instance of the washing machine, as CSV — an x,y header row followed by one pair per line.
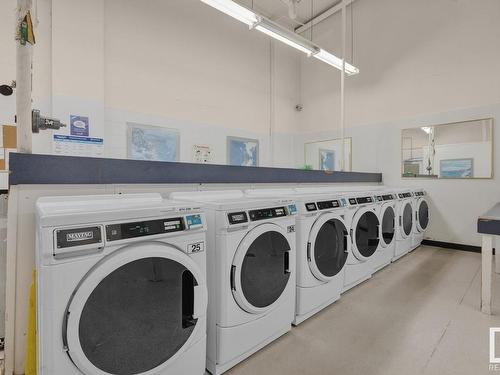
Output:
x,y
387,216
364,228
251,273
422,217
404,223
121,286
323,246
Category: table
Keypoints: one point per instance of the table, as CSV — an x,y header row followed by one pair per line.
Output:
x,y
488,225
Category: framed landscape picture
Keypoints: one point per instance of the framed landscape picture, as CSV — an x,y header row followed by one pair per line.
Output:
x,y
146,142
242,152
456,168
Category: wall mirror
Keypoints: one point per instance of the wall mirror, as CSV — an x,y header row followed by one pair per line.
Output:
x,y
326,155
454,150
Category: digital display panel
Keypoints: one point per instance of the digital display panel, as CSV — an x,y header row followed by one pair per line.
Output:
x,y
328,204
115,232
267,213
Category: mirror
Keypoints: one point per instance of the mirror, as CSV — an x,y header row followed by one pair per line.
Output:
x,y
325,155
455,150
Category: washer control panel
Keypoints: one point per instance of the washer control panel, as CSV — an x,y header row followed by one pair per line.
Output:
x,y
242,217
115,232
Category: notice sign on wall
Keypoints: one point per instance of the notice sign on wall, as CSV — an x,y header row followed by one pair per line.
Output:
x,y
77,146
79,126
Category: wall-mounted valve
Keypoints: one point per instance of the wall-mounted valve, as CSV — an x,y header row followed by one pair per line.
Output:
x,y
39,122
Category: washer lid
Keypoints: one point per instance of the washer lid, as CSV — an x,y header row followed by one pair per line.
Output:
x,y
135,311
422,215
365,233
387,227
327,249
261,268
405,219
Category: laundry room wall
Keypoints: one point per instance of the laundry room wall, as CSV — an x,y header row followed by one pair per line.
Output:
x,y
177,64
422,63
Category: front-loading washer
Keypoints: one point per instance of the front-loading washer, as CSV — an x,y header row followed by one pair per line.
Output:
x,y
404,222
387,217
364,229
323,246
422,216
120,286
251,273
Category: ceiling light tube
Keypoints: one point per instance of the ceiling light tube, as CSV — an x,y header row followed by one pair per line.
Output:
x,y
335,61
286,36
234,10
278,32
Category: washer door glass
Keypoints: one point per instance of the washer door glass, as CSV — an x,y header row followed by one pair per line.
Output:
x,y
367,234
138,316
265,269
388,225
423,215
330,248
407,218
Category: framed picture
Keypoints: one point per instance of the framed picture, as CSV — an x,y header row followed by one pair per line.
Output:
x,y
326,160
146,142
242,152
456,168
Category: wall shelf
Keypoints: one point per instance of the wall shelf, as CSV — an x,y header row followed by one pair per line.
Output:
x,y
50,169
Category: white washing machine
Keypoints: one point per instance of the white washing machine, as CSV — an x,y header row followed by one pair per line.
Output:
x,y
251,273
322,249
364,228
422,216
121,286
404,223
387,216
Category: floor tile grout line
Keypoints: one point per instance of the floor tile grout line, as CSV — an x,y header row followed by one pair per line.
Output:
x,y
451,319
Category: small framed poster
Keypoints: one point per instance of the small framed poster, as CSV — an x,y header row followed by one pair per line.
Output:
x,y
243,152
145,142
456,168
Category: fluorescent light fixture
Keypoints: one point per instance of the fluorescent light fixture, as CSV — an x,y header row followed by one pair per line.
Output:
x,y
234,10
278,32
335,61
286,36
426,129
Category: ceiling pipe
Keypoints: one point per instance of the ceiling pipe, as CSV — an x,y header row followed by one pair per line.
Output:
x,y
323,16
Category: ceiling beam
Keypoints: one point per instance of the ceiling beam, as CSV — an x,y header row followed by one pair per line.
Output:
x,y
323,16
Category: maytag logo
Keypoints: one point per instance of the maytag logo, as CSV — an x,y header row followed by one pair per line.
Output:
x,y
79,236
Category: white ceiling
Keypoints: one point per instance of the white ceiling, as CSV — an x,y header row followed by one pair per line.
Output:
x,y
277,10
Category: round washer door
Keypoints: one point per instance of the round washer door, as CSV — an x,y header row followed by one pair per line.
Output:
x,y
327,247
406,219
387,227
261,268
365,233
135,311
422,215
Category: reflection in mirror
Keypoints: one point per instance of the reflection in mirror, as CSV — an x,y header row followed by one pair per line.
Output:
x,y
326,155
456,150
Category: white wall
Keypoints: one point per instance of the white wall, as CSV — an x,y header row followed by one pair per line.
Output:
x,y
177,64
422,63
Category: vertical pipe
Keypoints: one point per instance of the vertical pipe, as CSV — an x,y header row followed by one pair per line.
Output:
x,y
272,100
24,57
342,88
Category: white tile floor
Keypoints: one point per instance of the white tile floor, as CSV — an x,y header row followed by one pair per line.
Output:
x,y
420,315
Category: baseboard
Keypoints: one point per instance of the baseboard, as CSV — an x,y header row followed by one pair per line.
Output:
x,y
454,246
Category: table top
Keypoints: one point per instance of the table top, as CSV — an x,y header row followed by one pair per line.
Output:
x,y
489,222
